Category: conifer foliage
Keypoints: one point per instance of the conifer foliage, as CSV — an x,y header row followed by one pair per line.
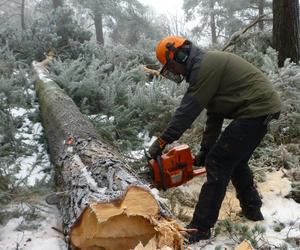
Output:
x,y
109,85
13,93
44,34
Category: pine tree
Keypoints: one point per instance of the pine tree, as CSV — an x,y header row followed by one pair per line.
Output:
x,y
286,30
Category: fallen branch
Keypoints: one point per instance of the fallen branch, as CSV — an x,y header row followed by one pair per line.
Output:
x,y
149,70
235,37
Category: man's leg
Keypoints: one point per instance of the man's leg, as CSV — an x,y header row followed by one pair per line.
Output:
x,y
249,198
237,141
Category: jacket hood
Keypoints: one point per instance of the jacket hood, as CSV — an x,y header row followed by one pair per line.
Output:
x,y
193,63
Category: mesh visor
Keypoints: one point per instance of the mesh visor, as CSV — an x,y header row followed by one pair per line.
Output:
x,y
171,76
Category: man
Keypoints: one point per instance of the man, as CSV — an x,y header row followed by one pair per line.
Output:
x,y
228,87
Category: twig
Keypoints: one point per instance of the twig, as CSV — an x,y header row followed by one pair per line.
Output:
x,y
24,179
16,2
92,24
207,242
279,75
188,230
58,230
237,35
7,193
3,3
292,227
19,241
151,71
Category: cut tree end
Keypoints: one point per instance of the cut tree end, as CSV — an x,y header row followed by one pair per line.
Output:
x,y
131,222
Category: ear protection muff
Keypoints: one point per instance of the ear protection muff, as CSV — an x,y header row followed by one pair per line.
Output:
x,y
180,54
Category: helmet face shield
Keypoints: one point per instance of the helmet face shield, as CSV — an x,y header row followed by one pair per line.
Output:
x,y
165,72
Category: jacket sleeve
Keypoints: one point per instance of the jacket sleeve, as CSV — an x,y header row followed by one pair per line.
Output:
x,y
182,119
212,131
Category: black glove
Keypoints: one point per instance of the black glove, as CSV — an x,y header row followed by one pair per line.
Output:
x,y
200,158
157,147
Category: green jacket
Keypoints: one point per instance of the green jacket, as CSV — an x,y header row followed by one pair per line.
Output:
x,y
233,88
228,87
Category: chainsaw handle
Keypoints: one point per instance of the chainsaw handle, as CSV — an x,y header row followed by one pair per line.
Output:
x,y
147,155
199,171
163,180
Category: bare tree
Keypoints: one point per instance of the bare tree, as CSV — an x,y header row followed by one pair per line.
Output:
x,y
261,7
286,30
213,22
99,9
175,24
107,12
98,20
13,12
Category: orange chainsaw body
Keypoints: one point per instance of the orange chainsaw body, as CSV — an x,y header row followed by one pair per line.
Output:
x,y
174,168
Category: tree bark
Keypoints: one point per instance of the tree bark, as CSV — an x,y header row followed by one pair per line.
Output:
x,y
57,3
261,7
99,27
104,204
286,30
213,22
23,15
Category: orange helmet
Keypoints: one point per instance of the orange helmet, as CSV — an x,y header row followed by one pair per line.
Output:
x,y
163,44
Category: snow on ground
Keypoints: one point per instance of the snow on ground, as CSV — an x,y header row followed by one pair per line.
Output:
x,y
279,210
31,165
38,235
21,233
276,209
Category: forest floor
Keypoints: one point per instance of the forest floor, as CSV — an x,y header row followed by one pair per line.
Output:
x,y
29,222
32,224
281,215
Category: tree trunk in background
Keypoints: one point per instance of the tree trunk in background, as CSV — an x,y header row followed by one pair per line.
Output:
x,y
213,22
61,23
261,6
98,27
23,15
57,3
104,204
286,30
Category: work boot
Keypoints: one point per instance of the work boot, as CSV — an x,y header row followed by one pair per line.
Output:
x,y
253,214
198,234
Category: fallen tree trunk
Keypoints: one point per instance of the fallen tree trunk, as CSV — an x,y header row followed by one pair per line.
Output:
x,y
104,204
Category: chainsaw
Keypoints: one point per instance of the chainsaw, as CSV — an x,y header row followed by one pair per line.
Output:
x,y
173,168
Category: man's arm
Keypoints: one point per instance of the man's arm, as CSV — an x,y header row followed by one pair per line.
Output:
x,y
182,119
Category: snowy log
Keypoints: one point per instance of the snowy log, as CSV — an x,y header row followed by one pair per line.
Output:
x,y
104,204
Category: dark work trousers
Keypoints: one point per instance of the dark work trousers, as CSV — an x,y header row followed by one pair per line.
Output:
x,y
228,160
